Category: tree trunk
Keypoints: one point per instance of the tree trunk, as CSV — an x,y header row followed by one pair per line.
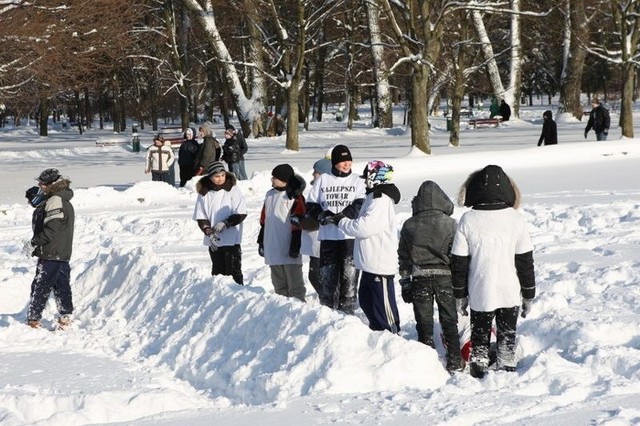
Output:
x,y
419,114
383,102
43,116
626,104
570,85
292,118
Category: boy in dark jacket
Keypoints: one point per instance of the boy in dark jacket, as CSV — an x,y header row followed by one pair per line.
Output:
x,y
424,254
599,120
53,241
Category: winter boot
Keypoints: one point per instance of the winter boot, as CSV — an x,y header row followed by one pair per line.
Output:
x,y
455,365
477,370
64,322
34,323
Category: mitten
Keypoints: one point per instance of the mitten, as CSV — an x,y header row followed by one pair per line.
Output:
x,y
213,238
462,305
323,217
406,290
261,250
526,307
219,227
585,135
605,131
294,254
335,219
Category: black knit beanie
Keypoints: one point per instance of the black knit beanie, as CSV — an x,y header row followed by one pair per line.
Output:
x,y
282,172
339,154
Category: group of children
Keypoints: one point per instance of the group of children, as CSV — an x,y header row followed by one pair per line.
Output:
x,y
347,226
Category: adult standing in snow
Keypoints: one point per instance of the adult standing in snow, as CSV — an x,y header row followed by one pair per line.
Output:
x,y
240,170
341,191
599,120
376,242
279,240
424,255
159,159
549,133
53,241
220,210
232,153
505,110
209,151
187,156
492,266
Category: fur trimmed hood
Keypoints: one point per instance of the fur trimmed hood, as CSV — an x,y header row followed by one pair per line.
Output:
x,y
62,185
489,189
205,185
295,186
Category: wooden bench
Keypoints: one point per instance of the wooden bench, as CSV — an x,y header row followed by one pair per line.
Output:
x,y
475,122
112,140
175,135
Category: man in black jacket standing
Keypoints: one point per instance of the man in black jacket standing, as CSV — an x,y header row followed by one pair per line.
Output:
x,y
53,241
599,120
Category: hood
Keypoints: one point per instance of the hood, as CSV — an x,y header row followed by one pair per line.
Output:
x,y
61,188
489,189
295,186
205,185
388,189
431,197
548,114
207,129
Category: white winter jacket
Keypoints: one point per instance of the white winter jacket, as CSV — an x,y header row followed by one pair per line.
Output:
x,y
491,239
277,229
375,247
217,206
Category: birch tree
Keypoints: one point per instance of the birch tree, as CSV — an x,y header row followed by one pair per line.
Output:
x,y
383,104
576,35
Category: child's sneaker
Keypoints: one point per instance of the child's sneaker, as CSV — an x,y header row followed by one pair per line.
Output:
x,y
34,323
64,322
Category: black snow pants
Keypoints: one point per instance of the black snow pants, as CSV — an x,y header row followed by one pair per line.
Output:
x,y
50,275
338,275
227,260
506,320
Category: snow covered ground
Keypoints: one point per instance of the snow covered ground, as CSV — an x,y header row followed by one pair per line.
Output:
x,y
159,341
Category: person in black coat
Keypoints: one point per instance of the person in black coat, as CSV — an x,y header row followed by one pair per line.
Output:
x,y
187,156
549,133
599,120
505,110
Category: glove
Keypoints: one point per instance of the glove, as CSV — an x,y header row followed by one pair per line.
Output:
x,y
219,227
261,250
585,135
27,249
605,131
334,220
406,290
462,305
294,254
213,238
295,222
322,217
526,307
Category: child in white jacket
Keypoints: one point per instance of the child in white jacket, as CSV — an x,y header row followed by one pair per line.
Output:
x,y
375,247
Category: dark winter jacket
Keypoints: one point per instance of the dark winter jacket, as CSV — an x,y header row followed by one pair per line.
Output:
x,y
55,239
188,151
599,120
209,150
426,237
231,150
549,133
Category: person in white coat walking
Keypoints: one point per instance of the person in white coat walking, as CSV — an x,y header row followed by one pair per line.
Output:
x,y
375,247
